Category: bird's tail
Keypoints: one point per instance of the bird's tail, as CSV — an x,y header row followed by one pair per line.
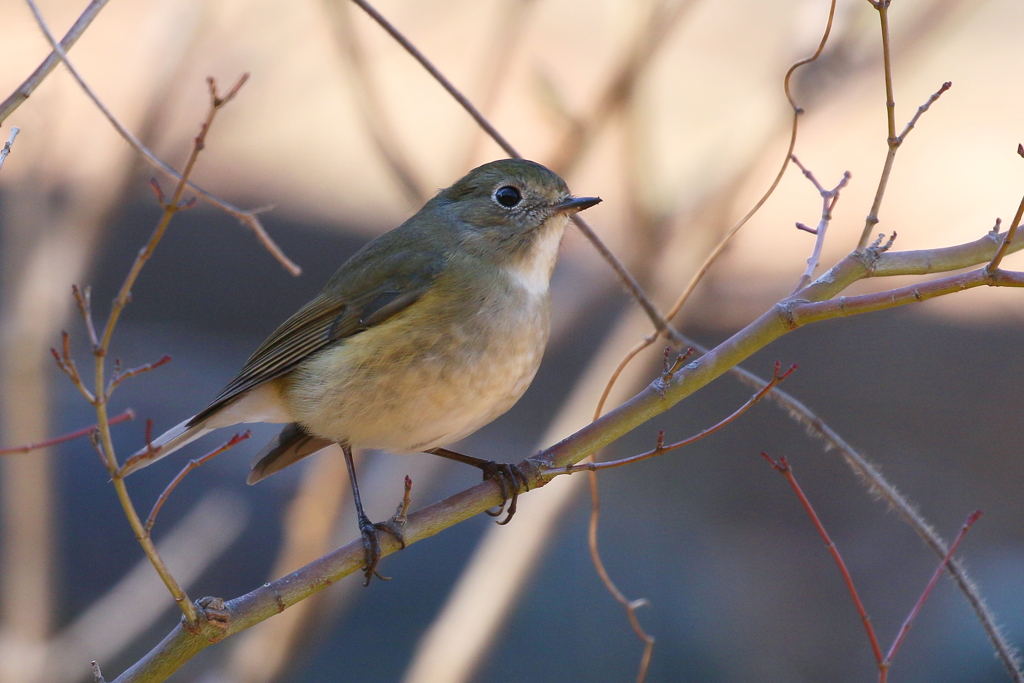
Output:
x,y
291,445
165,444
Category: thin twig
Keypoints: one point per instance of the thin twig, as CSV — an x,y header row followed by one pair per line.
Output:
x,y
439,77
25,90
630,606
247,217
1008,237
67,365
102,438
83,299
828,203
119,376
783,468
7,145
191,465
939,571
128,414
892,140
921,110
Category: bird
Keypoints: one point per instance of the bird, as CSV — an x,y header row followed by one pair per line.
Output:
x,y
426,334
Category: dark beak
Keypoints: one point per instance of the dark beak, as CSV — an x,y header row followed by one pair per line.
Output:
x,y
575,204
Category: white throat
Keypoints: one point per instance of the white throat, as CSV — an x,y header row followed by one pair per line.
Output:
x,y
533,272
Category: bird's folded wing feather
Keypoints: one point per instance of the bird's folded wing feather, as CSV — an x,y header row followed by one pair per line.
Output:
x,y
356,298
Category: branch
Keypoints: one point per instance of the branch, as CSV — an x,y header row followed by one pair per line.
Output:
x,y
247,217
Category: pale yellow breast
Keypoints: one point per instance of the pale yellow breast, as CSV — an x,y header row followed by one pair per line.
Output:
x,y
425,378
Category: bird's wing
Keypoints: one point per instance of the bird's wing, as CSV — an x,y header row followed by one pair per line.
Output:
x,y
365,292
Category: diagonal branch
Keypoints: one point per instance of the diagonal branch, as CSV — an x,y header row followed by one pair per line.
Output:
x,y
25,90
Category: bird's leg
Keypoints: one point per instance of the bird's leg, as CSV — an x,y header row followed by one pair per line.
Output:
x,y
510,478
367,528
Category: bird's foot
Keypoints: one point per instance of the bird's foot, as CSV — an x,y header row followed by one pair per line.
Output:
x,y
371,544
510,478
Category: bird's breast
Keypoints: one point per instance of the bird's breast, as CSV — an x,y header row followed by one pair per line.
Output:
x,y
438,371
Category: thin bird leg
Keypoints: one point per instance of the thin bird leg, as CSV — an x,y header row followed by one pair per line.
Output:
x,y
367,528
509,477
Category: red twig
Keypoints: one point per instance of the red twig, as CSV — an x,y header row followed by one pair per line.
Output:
x,y
783,467
927,591
119,376
884,663
84,431
192,464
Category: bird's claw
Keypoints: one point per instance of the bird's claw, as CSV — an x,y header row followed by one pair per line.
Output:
x,y
371,545
510,478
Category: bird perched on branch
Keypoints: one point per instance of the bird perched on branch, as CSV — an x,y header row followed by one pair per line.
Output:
x,y
425,335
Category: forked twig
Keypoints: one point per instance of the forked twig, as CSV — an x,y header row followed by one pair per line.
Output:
x,y
191,465
829,198
247,217
884,663
100,396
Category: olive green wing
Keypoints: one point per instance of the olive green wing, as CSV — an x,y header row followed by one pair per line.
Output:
x,y
365,292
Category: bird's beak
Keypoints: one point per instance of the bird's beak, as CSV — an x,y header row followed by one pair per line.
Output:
x,y
575,204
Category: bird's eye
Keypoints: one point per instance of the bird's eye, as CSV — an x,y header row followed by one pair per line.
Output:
x,y
508,196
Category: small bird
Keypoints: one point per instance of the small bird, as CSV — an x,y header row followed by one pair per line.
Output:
x,y
426,334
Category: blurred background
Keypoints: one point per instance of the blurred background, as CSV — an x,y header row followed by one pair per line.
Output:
x,y
673,112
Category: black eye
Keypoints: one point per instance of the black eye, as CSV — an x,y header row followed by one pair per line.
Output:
x,y
508,196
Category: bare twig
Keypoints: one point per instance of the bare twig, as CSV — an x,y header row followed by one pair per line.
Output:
x,y
892,140
783,468
192,464
993,265
25,90
83,298
99,398
921,110
828,203
67,365
630,606
247,217
119,376
128,414
7,145
939,571
439,77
